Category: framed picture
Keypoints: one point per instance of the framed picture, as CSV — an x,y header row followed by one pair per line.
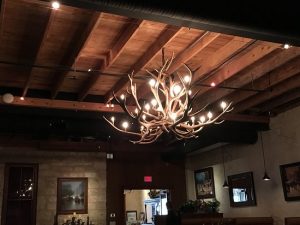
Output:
x,y
204,182
290,176
131,216
72,195
241,190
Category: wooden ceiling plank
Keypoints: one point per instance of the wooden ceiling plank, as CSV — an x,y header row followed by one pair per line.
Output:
x,y
101,107
277,90
51,16
276,76
281,100
260,50
2,13
112,56
70,58
168,35
287,107
245,77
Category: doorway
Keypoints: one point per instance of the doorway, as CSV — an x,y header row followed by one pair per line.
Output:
x,y
143,205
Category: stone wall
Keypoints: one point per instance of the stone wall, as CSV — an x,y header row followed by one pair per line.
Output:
x,y
62,164
281,144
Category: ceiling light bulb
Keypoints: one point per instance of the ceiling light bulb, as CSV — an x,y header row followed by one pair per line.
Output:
x,y
209,115
122,96
193,119
136,111
154,102
144,117
89,70
176,89
55,5
223,105
190,92
22,98
107,105
202,119
142,128
113,119
173,116
213,84
112,105
147,107
125,125
152,82
286,46
187,78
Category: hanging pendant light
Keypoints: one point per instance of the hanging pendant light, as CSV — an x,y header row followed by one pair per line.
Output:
x,y
266,176
225,185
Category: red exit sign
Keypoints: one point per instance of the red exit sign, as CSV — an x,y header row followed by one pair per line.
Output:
x,y
147,179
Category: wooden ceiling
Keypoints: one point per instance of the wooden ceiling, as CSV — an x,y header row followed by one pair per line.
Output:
x,y
75,58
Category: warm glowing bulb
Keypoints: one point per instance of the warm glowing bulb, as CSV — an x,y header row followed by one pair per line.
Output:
x,y
154,102
223,105
55,5
147,107
173,116
22,98
122,96
89,70
187,78
125,125
202,119
176,89
213,84
144,117
107,105
190,92
112,105
209,115
193,119
136,111
152,82
142,128
113,119
286,46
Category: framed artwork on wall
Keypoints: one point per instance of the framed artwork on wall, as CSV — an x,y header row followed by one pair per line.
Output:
x,y
72,195
131,216
204,183
241,190
290,177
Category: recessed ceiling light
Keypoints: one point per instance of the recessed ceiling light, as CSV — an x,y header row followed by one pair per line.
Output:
x,y
55,5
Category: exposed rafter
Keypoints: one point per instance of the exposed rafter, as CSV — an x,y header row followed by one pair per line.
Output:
x,y
2,12
112,55
246,77
70,58
151,52
50,18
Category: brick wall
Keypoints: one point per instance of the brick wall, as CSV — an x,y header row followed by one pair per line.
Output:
x,y
62,164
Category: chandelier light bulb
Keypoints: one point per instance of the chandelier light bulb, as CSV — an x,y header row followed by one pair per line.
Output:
x,y
113,119
209,115
286,46
125,125
107,105
55,5
142,127
22,98
223,105
136,111
154,102
147,107
122,96
187,79
202,119
152,82
173,116
176,89
212,84
190,92
144,117
193,119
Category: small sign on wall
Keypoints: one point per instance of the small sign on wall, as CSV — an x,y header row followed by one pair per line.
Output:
x,y
147,179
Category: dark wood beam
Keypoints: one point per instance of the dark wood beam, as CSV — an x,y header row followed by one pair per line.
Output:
x,y
281,100
279,89
287,107
71,57
197,46
267,82
50,18
168,35
246,118
2,13
246,77
257,52
112,55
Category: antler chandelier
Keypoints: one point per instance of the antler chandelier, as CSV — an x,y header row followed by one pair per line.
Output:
x,y
169,109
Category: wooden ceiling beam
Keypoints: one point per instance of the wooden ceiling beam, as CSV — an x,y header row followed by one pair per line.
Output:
x,y
50,18
245,77
101,107
258,51
287,107
70,58
2,13
281,100
168,35
279,89
197,46
111,57
266,82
